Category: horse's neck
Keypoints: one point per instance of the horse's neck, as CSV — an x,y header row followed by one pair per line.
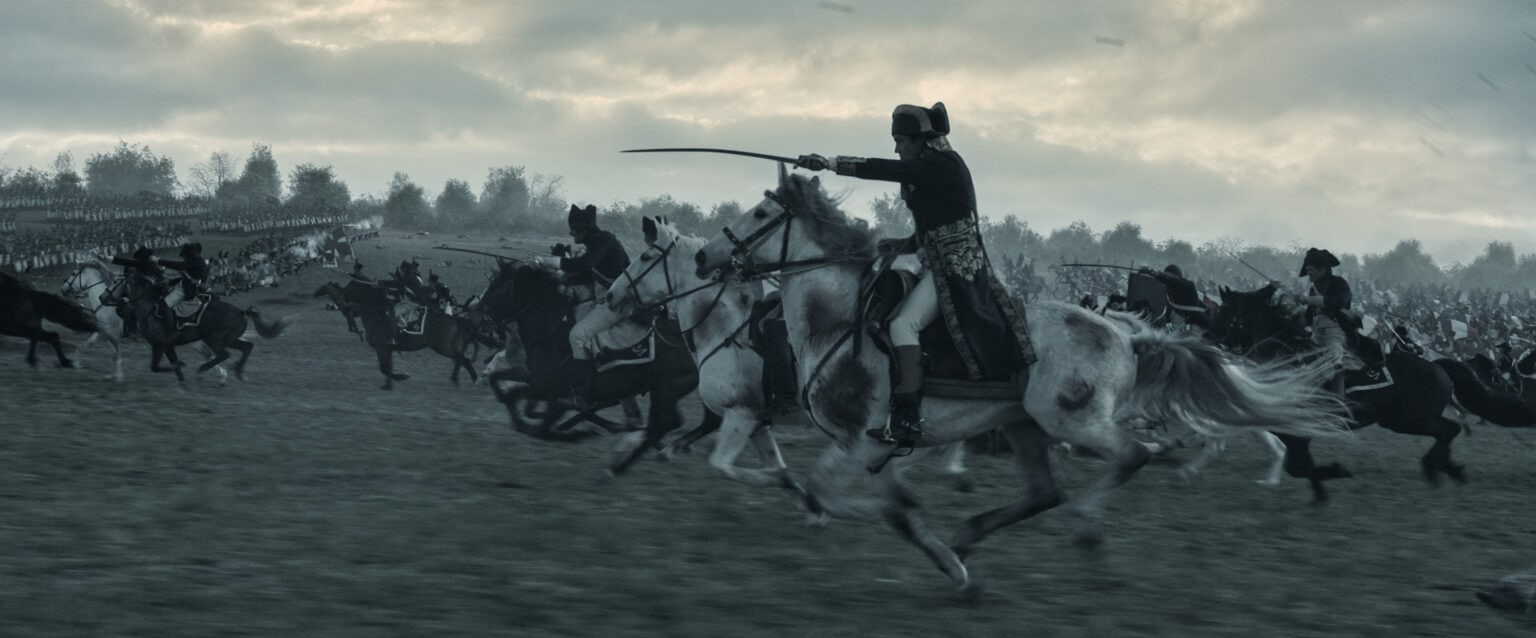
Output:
x,y
714,315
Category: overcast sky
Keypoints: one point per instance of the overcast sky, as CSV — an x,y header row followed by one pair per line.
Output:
x,y
1343,124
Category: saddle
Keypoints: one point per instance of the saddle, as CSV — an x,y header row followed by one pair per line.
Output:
x,y
203,300
881,293
1374,375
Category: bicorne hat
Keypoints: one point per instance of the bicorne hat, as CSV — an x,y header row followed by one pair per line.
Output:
x,y
917,121
1317,257
143,253
582,217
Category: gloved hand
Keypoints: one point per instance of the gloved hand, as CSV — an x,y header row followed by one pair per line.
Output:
x,y
813,162
560,250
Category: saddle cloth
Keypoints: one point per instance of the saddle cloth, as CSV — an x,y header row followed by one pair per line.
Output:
x,y
1368,378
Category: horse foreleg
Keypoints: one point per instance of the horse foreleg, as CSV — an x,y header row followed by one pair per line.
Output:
x,y
633,418
1031,451
651,438
900,511
737,428
220,354
1091,427
1276,454
952,464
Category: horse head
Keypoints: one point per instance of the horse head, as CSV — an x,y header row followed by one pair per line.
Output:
x,y
795,224
660,272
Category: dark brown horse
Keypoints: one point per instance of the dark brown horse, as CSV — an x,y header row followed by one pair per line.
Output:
x,y
1250,323
23,309
221,327
444,334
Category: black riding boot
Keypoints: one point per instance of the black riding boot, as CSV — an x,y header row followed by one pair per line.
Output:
x,y
582,372
906,424
779,371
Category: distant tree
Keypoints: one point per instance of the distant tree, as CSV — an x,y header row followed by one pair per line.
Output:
x,y
625,218
1497,268
406,205
1406,263
1075,242
260,181
1012,237
546,200
314,187
1124,244
27,181
455,206
210,178
504,199
66,182
129,170
1181,253
892,217
720,216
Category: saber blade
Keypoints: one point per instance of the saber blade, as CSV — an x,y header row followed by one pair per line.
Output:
x,y
723,151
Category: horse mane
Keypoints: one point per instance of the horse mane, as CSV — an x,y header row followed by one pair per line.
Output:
x,y
840,235
536,284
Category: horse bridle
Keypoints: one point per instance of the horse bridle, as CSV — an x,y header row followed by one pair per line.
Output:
x,y
741,255
633,296
71,286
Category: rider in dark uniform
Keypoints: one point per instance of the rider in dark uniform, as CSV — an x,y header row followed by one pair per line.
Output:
x,y
604,257
357,273
1183,297
194,276
438,293
142,262
958,284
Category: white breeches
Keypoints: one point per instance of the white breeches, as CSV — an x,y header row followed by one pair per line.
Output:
x,y
918,310
584,334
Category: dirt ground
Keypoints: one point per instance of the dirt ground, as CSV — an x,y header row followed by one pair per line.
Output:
x,y
305,501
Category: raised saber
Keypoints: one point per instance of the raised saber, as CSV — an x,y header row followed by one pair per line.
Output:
x,y
1250,267
723,151
477,252
1098,266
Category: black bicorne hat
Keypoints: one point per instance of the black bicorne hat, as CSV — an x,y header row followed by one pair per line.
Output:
x,y
582,217
1317,257
917,121
143,253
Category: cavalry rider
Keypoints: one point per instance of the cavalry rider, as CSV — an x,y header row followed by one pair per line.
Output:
x,y
1183,297
405,283
439,294
194,277
143,263
987,328
605,257
1327,302
357,274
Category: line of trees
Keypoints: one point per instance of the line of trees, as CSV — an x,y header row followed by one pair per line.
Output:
x,y
513,200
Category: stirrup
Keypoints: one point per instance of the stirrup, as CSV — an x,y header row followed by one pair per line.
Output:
x,y
904,436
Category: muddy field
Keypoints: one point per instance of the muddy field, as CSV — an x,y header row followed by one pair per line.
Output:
x,y
305,501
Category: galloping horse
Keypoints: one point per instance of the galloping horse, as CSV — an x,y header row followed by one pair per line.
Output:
x,y
87,286
1092,376
446,335
529,298
1251,323
333,291
22,311
220,327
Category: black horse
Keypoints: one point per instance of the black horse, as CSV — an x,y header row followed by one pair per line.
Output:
x,y
23,309
1252,324
446,335
220,327
528,300
1494,404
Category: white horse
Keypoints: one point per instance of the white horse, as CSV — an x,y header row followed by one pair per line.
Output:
x,y
715,314
87,285
1092,376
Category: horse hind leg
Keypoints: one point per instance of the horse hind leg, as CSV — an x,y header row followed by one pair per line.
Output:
x,y
1031,450
1090,426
